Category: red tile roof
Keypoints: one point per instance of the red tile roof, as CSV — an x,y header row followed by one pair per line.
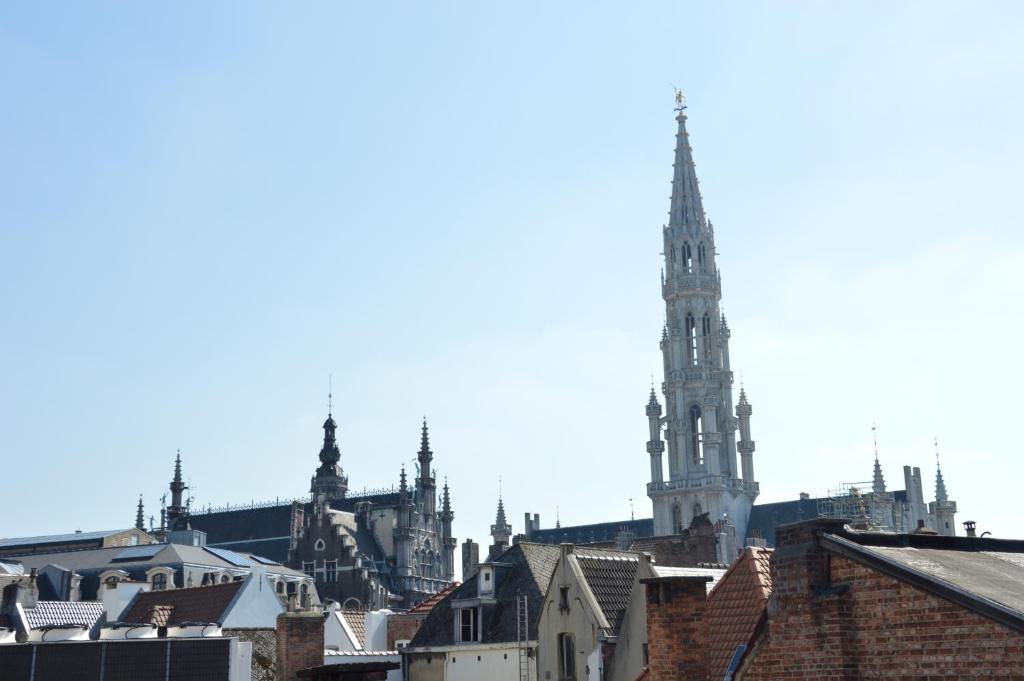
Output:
x,y
426,606
356,621
196,604
735,606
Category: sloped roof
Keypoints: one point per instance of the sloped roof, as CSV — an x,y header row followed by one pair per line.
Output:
x,y
524,568
14,542
983,574
174,606
356,621
424,607
46,613
610,575
595,532
665,571
735,607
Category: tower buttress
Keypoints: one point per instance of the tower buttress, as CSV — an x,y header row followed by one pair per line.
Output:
x,y
426,487
177,512
448,542
745,445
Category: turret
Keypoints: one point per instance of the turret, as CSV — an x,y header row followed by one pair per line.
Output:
x,y
501,531
942,510
425,486
404,530
447,540
655,445
745,445
177,512
140,517
329,482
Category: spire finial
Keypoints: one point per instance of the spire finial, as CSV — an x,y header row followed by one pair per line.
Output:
x,y
680,100
937,464
940,484
330,394
874,435
631,515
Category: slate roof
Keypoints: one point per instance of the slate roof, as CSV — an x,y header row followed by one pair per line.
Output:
x,y
610,575
597,532
266,530
11,568
14,542
356,621
91,562
735,607
524,568
174,606
46,613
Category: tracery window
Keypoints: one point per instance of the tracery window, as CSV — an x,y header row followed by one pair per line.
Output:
x,y
696,435
687,257
691,339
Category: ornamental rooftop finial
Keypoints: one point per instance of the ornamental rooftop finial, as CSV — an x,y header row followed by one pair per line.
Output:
x,y
940,484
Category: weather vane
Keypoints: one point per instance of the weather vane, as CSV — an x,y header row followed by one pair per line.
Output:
x,y
680,100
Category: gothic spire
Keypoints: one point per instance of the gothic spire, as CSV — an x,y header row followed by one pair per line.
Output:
x,y
501,531
500,518
425,456
687,209
878,482
403,488
446,502
940,484
177,486
140,518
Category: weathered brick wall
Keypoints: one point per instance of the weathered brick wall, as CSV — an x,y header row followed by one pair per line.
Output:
x,y
264,651
300,643
402,628
675,632
833,618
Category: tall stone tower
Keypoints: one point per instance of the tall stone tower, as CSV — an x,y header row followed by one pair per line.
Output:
x,y
700,423
329,482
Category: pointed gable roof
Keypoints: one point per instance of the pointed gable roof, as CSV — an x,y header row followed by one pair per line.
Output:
x,y
735,607
610,576
197,604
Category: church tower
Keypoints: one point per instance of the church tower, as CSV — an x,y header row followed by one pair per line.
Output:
x,y
700,424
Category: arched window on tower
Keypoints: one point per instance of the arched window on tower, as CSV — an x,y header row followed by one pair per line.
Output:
x,y
677,519
691,339
696,435
701,259
673,254
687,257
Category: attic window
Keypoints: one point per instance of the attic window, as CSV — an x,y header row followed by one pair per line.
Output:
x,y
468,629
159,581
563,598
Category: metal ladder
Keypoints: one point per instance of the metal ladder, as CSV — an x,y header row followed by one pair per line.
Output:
x,y
523,635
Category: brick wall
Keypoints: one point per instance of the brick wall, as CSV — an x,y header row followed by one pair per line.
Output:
x,y
402,628
675,632
830,617
300,643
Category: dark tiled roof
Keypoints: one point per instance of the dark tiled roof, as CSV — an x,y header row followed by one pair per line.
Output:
x,y
525,568
63,612
244,524
71,538
610,575
356,621
274,548
198,604
735,607
597,532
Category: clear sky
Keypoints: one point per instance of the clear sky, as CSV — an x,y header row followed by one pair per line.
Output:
x,y
455,209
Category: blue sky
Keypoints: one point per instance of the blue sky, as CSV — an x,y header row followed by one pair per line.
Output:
x,y
455,210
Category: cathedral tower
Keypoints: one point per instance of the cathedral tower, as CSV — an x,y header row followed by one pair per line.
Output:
x,y
700,424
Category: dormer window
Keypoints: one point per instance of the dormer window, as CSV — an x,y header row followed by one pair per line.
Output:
x,y
486,581
467,627
319,546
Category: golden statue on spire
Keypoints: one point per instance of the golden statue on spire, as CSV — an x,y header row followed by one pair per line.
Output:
x,y
680,100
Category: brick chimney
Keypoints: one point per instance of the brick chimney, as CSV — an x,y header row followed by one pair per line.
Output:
x,y
300,643
799,564
675,632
